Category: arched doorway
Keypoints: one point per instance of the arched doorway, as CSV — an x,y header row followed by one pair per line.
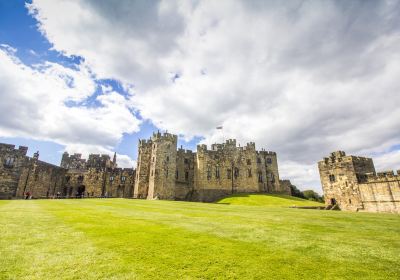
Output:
x,y
81,191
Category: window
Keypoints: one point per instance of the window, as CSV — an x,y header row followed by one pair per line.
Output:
x,y
217,172
111,178
151,172
168,146
248,162
229,173
80,178
260,177
153,159
176,174
332,178
249,172
9,161
167,158
186,161
123,178
186,176
166,173
272,178
208,173
258,160
269,160
236,173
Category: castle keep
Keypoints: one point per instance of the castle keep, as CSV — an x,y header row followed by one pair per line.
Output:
x,y
351,183
165,172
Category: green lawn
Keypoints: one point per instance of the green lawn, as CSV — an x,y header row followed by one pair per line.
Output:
x,y
270,200
138,239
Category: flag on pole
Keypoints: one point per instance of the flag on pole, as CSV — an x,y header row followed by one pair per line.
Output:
x,y
219,127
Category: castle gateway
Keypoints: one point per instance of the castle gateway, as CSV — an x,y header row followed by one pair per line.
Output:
x,y
351,183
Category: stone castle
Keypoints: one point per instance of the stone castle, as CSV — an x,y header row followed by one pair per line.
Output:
x,y
163,172
351,183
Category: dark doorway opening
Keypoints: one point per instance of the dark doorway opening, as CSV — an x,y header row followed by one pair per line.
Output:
x,y
333,201
81,191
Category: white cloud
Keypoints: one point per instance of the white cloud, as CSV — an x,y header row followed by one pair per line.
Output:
x,y
34,104
302,78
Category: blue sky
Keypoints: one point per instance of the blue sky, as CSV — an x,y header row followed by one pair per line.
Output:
x,y
19,30
301,78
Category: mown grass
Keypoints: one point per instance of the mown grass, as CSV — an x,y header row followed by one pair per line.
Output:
x,y
138,239
268,200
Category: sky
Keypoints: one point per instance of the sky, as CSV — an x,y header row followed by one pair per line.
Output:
x,y
301,78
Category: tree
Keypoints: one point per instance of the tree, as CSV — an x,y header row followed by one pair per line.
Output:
x,y
312,195
296,192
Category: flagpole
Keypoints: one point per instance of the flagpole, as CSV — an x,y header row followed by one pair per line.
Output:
x,y
222,132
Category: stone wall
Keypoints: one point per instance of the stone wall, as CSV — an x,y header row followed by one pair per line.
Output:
x,y
96,177
352,183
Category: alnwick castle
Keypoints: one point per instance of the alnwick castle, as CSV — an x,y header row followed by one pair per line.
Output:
x,y
167,172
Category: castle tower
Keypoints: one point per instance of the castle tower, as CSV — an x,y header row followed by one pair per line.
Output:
x,y
162,166
340,178
143,169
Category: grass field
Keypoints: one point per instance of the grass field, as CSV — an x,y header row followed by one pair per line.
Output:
x,y
138,239
270,200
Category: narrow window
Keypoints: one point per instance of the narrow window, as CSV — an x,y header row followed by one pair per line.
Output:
x,y
167,158
151,172
186,176
260,177
236,173
229,173
166,173
217,172
176,174
269,160
249,172
123,178
248,162
153,159
208,173
332,178
258,160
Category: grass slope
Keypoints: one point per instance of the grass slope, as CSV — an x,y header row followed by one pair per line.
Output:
x,y
138,239
269,200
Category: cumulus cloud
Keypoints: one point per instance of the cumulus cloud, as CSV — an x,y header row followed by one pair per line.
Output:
x,y
302,78
50,102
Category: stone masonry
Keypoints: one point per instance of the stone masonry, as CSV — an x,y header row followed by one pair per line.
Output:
x,y
352,183
165,172
99,176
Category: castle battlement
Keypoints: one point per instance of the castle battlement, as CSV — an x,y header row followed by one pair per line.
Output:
x,y
22,150
164,136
